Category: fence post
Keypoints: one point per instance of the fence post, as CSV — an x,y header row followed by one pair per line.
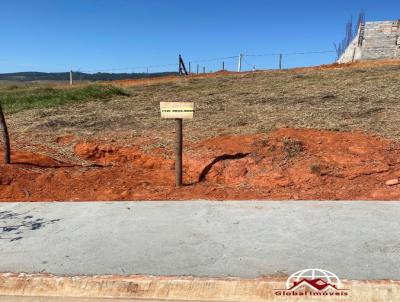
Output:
x,y
239,69
6,138
280,61
182,67
70,77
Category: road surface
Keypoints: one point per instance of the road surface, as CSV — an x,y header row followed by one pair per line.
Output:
x,y
355,240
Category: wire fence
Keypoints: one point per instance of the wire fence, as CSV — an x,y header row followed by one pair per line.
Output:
x,y
249,62
288,60
241,62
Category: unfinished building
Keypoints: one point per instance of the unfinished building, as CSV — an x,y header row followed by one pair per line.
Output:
x,y
374,40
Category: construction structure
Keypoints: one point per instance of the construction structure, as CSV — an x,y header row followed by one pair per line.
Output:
x,y
374,40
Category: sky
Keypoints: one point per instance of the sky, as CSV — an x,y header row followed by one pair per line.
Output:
x,y
127,36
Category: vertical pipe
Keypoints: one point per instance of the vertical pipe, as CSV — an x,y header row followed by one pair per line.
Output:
x,y
280,61
70,77
223,65
197,71
204,69
190,68
178,153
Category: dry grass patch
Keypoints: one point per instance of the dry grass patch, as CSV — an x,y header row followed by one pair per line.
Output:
x,y
336,99
292,147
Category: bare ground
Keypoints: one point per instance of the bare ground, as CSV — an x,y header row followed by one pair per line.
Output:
x,y
359,98
235,114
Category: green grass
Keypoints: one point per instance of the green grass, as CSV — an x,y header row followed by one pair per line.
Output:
x,y
18,98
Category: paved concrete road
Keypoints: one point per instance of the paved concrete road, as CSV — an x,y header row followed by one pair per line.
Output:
x,y
355,240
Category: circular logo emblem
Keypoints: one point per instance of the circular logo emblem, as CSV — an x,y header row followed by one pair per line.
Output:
x,y
315,277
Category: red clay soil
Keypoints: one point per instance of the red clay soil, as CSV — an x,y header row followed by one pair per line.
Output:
x,y
287,164
166,79
357,64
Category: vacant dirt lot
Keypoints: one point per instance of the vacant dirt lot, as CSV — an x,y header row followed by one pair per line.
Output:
x,y
359,98
286,164
249,139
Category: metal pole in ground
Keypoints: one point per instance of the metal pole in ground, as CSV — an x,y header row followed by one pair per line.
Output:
x,y
223,65
178,153
70,77
239,69
197,70
190,68
280,61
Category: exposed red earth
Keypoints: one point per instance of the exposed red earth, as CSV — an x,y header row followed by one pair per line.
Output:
x,y
286,164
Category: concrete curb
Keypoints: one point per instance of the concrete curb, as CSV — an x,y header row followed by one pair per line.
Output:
x,y
178,288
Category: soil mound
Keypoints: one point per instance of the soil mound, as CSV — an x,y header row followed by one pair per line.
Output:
x,y
286,164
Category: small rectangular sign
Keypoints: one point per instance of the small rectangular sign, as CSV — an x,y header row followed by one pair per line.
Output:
x,y
182,110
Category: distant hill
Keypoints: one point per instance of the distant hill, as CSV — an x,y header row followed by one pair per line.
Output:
x,y
78,76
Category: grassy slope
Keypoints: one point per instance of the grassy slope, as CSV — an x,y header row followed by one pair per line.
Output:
x,y
16,98
360,98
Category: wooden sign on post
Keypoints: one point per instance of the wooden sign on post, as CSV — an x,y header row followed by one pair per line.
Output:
x,y
177,111
182,110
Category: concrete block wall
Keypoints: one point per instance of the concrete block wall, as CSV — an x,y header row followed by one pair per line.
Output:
x,y
381,40
352,52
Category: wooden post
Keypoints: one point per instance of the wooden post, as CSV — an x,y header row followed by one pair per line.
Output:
x,y
6,138
177,111
182,67
70,77
280,61
239,69
178,153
